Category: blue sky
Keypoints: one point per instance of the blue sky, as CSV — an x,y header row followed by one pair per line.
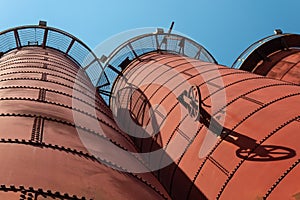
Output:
x,y
224,27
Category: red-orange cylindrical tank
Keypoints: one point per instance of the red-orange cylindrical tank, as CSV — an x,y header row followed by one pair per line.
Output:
x,y
230,134
276,56
42,155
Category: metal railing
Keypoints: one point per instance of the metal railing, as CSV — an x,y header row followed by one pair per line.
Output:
x,y
48,37
102,75
241,59
142,44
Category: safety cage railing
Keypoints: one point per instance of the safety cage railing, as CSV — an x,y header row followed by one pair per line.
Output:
x,y
48,37
142,44
101,71
264,47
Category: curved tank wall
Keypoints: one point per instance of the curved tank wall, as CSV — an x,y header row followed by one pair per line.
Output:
x,y
285,67
237,136
205,130
42,155
276,56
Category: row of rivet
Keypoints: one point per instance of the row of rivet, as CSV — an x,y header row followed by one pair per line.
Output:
x,y
281,178
71,74
47,73
244,119
39,191
104,137
234,127
72,108
101,105
50,81
34,60
80,153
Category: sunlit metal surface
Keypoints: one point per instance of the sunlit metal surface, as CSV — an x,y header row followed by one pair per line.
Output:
x,y
276,56
253,154
169,85
42,153
142,44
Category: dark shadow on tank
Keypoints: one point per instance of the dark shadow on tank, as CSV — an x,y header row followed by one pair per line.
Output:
x,y
134,113
249,149
134,110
